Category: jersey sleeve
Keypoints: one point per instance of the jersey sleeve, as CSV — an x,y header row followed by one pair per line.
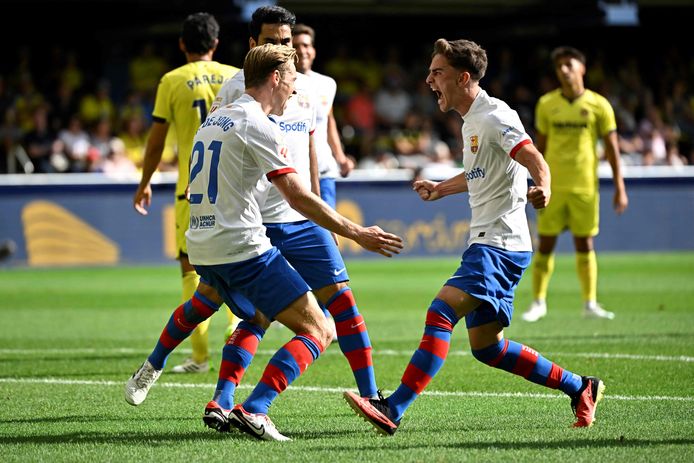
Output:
x,y
162,106
231,90
605,118
510,132
266,147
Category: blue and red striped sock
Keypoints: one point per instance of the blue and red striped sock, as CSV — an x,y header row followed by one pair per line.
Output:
x,y
427,359
526,362
353,339
236,357
285,366
182,322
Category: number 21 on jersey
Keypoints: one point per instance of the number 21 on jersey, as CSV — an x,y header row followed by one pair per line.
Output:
x,y
198,158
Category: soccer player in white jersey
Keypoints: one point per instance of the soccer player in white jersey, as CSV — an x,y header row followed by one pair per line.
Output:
x,y
332,160
497,156
310,249
233,149
183,98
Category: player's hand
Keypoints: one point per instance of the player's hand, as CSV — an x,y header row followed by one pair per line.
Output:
x,y
346,166
374,239
426,189
620,202
142,198
539,196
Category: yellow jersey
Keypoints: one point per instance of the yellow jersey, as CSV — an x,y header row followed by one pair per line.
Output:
x,y
184,96
573,129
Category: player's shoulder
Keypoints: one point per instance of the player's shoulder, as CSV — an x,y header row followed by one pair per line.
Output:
x,y
247,109
596,98
322,78
231,89
237,83
551,97
494,111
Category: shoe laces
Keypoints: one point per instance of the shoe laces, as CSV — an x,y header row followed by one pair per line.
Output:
x,y
147,376
381,404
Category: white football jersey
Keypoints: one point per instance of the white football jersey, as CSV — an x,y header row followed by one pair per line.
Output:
x,y
232,150
296,124
325,88
492,134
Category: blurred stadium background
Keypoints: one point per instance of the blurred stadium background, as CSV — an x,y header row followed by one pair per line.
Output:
x,y
101,60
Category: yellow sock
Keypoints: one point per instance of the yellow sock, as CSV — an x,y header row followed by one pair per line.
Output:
x,y
587,268
198,338
543,267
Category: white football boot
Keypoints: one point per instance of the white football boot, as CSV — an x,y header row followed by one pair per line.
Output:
x,y
536,311
594,310
137,387
257,425
189,366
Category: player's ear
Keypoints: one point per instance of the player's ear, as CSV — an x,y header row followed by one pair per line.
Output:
x,y
252,43
276,78
463,78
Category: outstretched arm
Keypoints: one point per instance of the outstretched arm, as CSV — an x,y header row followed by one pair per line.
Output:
x,y
312,207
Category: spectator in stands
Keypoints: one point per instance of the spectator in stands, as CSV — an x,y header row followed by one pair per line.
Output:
x,y
10,141
116,163
39,142
146,69
659,140
360,116
391,103
134,137
75,142
98,105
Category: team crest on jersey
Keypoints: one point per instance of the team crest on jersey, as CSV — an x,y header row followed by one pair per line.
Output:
x,y
474,144
584,112
303,100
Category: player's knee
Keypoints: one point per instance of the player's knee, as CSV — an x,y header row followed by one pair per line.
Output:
x,y
321,331
260,320
490,354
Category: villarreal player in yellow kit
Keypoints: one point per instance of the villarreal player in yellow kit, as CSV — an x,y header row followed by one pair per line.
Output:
x,y
184,96
570,120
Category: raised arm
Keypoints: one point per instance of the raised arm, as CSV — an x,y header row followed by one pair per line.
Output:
x,y
312,207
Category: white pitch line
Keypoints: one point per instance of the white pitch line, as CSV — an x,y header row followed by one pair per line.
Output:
x,y
525,395
384,352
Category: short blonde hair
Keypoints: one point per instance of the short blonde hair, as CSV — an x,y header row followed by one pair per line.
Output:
x,y
264,59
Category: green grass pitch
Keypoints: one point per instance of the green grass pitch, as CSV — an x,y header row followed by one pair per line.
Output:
x,y
70,338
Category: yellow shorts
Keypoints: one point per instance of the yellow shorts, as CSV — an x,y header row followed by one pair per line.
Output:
x,y
182,221
578,212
